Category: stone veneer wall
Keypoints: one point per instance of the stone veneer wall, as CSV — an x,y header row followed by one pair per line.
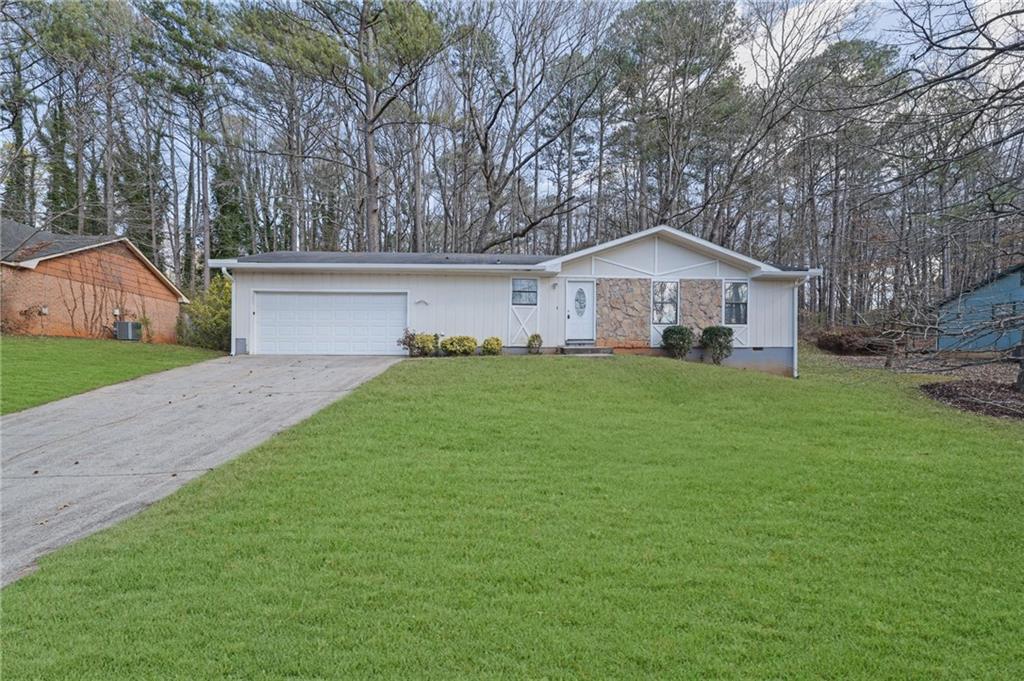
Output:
x,y
623,313
700,303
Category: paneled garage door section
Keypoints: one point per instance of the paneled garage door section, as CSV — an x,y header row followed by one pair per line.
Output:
x,y
329,323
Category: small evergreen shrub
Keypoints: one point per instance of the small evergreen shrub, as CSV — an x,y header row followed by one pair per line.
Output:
x,y
491,346
418,344
534,343
717,342
677,340
459,345
206,322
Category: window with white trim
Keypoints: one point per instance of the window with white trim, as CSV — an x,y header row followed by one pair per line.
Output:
x,y
664,302
524,291
736,303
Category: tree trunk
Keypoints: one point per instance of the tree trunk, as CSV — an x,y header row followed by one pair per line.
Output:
x,y
372,209
570,186
108,160
417,189
79,167
204,198
153,153
600,173
174,232
189,246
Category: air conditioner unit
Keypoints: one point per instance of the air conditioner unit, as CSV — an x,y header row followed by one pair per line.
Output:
x,y
128,331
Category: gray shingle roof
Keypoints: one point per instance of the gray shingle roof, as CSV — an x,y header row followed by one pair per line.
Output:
x,y
20,242
333,258
996,276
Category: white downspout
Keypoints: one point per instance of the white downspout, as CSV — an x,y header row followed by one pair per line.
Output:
x,y
796,341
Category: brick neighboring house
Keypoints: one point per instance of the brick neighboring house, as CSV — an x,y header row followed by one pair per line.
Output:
x,y
70,285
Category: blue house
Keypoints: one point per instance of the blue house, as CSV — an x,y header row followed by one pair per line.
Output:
x,y
986,317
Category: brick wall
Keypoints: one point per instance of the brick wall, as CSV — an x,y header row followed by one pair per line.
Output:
x,y
80,291
624,313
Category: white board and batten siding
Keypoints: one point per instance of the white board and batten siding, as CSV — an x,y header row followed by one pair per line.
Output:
x,y
770,314
451,304
769,303
298,312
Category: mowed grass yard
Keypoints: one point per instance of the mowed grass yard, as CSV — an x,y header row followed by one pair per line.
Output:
x,y
547,517
34,371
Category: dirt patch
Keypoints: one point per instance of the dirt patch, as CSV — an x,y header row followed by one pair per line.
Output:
x,y
998,372
985,397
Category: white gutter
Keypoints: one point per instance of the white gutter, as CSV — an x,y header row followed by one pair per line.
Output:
x,y
796,328
801,280
378,267
801,275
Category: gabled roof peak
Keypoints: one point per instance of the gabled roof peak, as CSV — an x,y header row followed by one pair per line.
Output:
x,y
725,254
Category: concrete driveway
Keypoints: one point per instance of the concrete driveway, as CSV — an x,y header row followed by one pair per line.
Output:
x,y
81,464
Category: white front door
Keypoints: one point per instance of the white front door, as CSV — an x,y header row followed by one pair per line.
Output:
x,y
297,323
579,310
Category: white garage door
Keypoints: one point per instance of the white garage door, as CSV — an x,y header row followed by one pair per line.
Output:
x,y
329,323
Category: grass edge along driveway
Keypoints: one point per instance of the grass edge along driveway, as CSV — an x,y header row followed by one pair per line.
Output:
x,y
37,370
565,518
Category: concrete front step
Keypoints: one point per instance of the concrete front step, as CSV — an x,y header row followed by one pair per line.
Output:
x,y
583,350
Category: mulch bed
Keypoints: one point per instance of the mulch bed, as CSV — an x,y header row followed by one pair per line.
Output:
x,y
985,397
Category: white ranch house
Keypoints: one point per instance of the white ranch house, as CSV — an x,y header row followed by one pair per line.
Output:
x,y
619,294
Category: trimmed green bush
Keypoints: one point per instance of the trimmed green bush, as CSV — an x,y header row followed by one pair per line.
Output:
x,y
534,343
459,345
418,344
492,346
206,321
426,344
677,340
717,342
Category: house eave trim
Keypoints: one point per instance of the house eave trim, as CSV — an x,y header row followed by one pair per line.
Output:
x,y
781,275
726,255
383,268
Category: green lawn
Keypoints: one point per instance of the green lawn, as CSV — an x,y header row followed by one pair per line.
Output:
x,y
546,517
38,370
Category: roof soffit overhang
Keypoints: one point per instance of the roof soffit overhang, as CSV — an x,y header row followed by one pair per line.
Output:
x,y
543,269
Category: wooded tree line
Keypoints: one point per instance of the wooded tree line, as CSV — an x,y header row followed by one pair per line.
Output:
x,y
776,128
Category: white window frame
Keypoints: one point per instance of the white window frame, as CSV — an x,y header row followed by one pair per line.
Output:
x,y
656,329
725,284
664,281
536,292
523,320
